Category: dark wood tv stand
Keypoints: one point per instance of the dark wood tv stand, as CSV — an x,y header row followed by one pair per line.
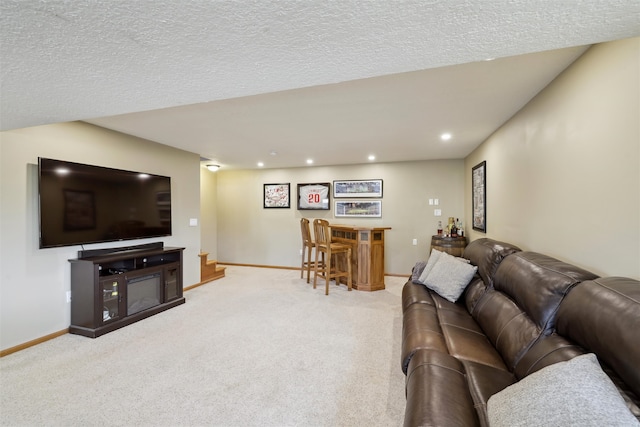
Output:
x,y
112,288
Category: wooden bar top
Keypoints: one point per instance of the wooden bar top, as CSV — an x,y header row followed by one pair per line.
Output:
x,y
358,227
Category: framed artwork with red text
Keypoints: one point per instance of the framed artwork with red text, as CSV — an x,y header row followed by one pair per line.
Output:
x,y
314,196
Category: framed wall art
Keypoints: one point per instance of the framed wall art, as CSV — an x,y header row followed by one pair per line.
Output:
x,y
277,195
358,208
479,196
314,196
357,188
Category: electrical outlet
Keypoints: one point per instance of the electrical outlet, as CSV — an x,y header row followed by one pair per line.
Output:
x,y
415,242
437,212
68,296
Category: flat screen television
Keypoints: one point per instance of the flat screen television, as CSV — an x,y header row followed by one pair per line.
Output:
x,y
82,204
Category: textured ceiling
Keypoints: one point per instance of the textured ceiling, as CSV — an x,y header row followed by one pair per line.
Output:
x,y
257,76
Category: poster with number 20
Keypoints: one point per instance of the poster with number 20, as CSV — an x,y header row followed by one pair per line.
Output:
x,y
313,196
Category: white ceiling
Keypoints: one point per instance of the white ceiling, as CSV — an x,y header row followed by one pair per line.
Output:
x,y
333,81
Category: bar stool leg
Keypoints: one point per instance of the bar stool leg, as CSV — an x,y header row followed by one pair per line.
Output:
x,y
349,268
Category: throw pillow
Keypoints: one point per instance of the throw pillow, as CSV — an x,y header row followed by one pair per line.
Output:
x,y
433,258
450,277
417,271
572,393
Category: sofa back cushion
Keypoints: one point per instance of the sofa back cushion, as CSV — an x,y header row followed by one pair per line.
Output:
x,y
538,283
527,290
603,316
487,254
508,328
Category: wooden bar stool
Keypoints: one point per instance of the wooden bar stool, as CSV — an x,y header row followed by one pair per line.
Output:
x,y
325,247
307,246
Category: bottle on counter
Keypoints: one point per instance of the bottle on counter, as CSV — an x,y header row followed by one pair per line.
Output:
x,y
439,228
454,229
460,229
450,226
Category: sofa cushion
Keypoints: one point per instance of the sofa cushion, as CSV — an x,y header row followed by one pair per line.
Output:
x,y
538,283
449,277
420,330
483,382
576,392
415,293
603,316
487,254
546,351
437,392
510,330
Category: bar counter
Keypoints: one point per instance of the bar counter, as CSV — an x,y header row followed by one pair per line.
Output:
x,y
367,254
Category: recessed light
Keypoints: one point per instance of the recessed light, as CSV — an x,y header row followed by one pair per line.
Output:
x,y
445,136
213,168
260,164
372,157
309,161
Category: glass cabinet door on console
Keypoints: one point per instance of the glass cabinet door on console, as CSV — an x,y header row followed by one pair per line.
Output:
x,y
172,287
111,289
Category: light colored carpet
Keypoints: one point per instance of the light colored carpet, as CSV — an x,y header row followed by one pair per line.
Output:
x,y
259,347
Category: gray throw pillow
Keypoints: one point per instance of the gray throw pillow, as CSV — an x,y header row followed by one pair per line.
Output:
x,y
433,258
417,271
450,277
572,393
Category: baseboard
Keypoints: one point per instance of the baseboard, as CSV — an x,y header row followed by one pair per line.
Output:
x,y
258,266
293,268
31,343
45,338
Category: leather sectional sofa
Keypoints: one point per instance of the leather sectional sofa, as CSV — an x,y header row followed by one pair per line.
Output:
x,y
522,315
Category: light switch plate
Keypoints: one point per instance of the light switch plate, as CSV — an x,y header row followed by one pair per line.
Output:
x,y
193,222
437,212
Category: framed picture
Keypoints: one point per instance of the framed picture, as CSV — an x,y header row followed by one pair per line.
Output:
x,y
79,210
479,196
358,208
357,188
314,196
276,195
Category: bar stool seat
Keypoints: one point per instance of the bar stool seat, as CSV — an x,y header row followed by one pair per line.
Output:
x,y
329,270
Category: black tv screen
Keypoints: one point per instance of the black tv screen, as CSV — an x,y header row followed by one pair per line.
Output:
x,y
81,204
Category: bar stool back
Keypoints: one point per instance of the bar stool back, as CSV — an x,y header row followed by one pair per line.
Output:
x,y
328,270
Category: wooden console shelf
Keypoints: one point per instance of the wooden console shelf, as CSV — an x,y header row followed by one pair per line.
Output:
x,y
112,289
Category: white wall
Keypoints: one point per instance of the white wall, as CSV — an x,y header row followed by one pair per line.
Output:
x,y
563,175
33,281
250,234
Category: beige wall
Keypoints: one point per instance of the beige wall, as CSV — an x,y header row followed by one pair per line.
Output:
x,y
248,233
208,212
563,175
33,281
563,178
